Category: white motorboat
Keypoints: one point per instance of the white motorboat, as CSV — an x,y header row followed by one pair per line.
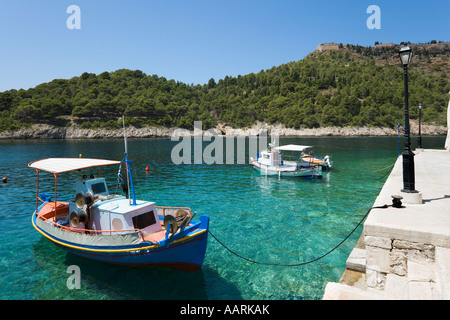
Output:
x,y
271,162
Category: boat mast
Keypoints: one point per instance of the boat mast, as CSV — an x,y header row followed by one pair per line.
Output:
x,y
127,163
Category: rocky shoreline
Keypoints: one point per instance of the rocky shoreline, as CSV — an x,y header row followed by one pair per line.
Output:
x,y
39,131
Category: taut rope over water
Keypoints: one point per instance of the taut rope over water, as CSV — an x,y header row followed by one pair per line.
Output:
x,y
302,263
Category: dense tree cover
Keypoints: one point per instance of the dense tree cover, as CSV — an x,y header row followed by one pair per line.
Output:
x,y
334,88
98,100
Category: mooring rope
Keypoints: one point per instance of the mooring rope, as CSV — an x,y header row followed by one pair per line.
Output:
x,y
386,173
302,263
389,166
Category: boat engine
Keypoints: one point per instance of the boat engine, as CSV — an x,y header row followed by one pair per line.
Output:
x,y
327,161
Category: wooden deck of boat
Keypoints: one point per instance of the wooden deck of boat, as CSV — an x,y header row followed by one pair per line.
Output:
x,y
48,210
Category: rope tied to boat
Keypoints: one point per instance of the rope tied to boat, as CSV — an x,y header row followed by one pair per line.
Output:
x,y
302,263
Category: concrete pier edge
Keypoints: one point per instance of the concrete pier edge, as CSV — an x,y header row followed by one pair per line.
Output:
x,y
404,253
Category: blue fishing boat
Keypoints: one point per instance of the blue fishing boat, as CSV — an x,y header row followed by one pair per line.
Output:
x,y
100,225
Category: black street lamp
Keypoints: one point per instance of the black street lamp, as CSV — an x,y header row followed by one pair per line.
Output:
x,y
408,156
419,140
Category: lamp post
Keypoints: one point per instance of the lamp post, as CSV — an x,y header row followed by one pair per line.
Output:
x,y
419,140
408,156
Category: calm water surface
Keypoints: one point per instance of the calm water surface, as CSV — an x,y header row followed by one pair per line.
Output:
x,y
287,221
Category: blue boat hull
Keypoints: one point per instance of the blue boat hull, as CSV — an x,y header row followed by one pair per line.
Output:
x,y
184,252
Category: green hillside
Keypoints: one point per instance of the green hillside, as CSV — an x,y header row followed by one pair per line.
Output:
x,y
336,85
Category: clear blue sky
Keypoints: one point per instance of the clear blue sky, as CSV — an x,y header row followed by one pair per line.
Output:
x,y
194,40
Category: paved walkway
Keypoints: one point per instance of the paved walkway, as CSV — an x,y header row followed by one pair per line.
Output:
x,y
404,253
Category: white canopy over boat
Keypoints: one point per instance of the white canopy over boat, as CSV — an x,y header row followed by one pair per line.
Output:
x,y
59,165
292,147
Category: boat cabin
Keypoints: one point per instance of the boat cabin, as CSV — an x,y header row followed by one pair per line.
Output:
x,y
95,185
94,208
270,158
119,215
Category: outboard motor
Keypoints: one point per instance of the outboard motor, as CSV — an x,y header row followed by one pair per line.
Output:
x,y
327,161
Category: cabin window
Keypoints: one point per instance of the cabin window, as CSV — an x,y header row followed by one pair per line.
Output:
x,y
144,220
98,187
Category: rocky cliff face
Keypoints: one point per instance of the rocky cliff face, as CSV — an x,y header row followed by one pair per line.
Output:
x,y
50,132
281,130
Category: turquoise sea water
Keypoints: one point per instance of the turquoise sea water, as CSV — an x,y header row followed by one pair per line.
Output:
x,y
269,220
